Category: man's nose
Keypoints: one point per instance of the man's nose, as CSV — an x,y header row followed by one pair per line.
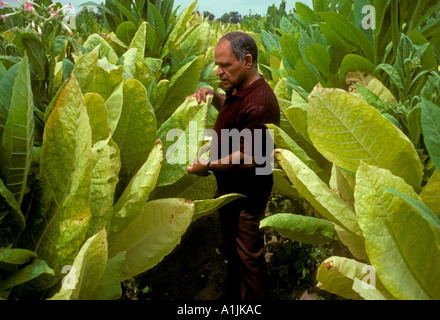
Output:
x,y
219,71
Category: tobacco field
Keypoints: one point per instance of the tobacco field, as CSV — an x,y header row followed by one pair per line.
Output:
x,y
90,200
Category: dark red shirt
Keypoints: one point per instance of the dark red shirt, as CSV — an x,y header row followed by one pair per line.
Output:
x,y
246,112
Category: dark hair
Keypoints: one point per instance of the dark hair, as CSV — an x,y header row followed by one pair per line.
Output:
x,y
241,45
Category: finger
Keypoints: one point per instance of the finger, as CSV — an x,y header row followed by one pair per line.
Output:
x,y
198,96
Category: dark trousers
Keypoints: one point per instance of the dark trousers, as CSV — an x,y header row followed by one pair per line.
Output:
x,y
243,246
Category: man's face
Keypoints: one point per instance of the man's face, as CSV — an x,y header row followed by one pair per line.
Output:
x,y
231,71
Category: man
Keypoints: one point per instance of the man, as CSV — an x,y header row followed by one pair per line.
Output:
x,y
249,104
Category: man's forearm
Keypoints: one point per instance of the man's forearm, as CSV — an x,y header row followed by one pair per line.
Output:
x,y
236,160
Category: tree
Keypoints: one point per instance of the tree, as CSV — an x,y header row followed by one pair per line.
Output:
x,y
209,14
231,17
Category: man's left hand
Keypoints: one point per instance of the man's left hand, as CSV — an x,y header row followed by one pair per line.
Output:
x,y
200,168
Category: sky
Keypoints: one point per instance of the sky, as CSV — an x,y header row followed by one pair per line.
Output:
x,y
218,8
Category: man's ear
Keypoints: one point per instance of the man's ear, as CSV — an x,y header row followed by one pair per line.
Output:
x,y
248,61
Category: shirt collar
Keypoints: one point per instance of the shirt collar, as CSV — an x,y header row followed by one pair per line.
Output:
x,y
250,88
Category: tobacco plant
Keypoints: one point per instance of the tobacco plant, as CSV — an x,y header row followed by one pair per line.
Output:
x,y
374,189
76,213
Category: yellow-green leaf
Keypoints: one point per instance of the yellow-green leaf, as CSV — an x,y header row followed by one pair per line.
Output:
x,y
136,194
182,84
86,271
301,228
338,275
95,41
18,134
208,206
180,137
402,246
66,167
431,193
98,116
85,70
346,130
153,234
314,190
110,288
107,163
135,133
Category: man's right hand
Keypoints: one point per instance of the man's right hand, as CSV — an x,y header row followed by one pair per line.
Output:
x,y
201,94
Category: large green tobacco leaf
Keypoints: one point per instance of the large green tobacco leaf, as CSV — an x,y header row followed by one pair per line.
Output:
x,y
371,83
16,255
339,274
133,199
284,141
181,22
342,186
419,206
66,166
186,124
181,85
108,77
18,135
319,57
269,42
305,76
354,63
208,206
85,70
190,186
297,116
301,228
129,62
126,31
29,272
98,116
6,88
354,243
114,106
138,43
29,43
281,184
195,44
95,40
289,49
153,234
156,22
349,33
431,193
285,123
289,122
110,286
431,130
158,93
401,244
11,217
320,5
346,130
308,15
314,190
87,270
136,130
107,163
